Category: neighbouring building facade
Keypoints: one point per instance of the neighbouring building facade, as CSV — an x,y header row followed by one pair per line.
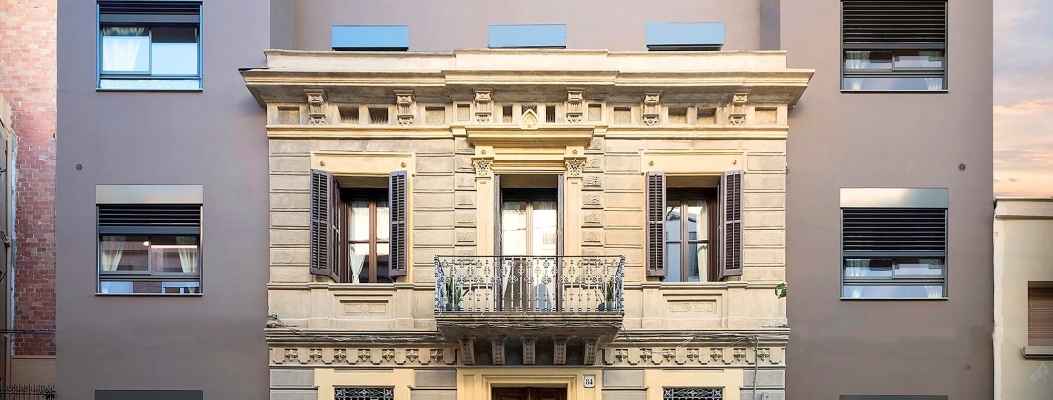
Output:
x,y
1023,307
478,200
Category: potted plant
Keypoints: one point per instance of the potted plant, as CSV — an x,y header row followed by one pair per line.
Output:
x,y
454,294
608,291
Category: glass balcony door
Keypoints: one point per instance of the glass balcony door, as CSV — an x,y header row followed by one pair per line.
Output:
x,y
529,268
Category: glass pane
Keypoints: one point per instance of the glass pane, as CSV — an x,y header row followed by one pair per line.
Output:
x,y
868,268
181,287
544,229
126,49
697,218
868,60
513,228
383,220
174,254
124,253
115,287
893,83
672,262
892,292
919,267
174,51
672,220
359,257
150,84
359,220
932,59
383,259
699,261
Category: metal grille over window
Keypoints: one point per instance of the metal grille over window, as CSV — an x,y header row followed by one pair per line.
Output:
x,y
693,394
894,252
364,394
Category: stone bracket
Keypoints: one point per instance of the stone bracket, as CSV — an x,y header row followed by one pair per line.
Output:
x,y
315,106
404,107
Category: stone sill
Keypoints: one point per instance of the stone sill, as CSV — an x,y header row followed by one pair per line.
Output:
x,y
1038,352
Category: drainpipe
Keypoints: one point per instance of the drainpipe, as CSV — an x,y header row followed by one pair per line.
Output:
x,y
9,287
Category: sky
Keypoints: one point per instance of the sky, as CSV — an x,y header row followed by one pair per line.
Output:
x,y
1023,98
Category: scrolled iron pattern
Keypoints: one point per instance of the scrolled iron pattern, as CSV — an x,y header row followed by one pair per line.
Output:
x,y
529,284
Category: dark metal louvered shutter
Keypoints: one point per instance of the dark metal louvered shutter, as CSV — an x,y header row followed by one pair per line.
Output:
x,y
397,200
918,232
871,23
655,224
321,196
731,222
1040,316
150,219
149,12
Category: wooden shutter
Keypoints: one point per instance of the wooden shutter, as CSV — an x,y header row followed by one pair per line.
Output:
x,y
656,224
397,201
321,196
871,23
1040,316
559,215
731,218
497,214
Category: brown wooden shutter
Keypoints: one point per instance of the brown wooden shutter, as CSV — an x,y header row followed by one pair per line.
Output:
x,y
656,224
338,243
559,215
321,195
1040,316
397,200
731,218
497,214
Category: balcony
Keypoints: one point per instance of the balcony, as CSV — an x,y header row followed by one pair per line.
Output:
x,y
573,302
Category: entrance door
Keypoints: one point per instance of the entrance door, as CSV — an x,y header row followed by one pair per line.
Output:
x,y
529,393
529,243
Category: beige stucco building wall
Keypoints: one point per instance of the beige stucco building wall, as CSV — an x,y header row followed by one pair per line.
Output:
x,y
1023,231
329,334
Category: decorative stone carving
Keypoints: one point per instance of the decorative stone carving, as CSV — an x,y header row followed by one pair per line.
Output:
x,y
528,121
575,166
650,109
670,355
559,350
364,355
315,106
292,355
740,354
497,349
716,354
574,106
412,355
736,119
404,107
387,354
590,351
484,107
737,109
692,355
621,354
740,98
315,356
645,355
468,350
594,181
529,350
340,356
763,354
483,167
436,355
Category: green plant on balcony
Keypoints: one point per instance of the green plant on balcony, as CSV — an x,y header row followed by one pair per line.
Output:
x,y
454,293
608,291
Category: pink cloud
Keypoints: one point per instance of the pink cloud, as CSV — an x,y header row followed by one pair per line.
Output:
x,y
1027,107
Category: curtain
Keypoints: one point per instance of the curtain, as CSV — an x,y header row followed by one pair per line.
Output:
x,y
856,268
112,248
357,262
360,232
121,47
187,253
856,60
513,240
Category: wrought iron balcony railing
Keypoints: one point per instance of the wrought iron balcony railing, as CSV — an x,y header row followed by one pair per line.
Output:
x,y
529,284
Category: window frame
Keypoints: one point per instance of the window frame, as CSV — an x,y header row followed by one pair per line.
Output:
x,y
529,197
149,275
1038,291
893,47
893,280
371,196
101,75
682,195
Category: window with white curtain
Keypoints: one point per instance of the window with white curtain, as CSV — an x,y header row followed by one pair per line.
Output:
x,y
893,253
149,249
149,45
894,45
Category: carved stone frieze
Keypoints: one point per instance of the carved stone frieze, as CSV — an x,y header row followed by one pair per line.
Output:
x,y
691,356
363,356
559,350
404,107
315,106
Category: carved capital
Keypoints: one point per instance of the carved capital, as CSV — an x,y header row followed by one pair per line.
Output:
x,y
575,166
483,167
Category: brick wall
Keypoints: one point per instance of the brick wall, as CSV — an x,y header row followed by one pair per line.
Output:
x,y
28,79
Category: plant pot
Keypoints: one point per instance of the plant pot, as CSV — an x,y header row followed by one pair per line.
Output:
x,y
453,307
605,306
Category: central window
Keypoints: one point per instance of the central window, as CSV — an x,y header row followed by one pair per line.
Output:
x,y
688,232
369,235
528,222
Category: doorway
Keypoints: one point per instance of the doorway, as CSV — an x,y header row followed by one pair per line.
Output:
x,y
529,393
